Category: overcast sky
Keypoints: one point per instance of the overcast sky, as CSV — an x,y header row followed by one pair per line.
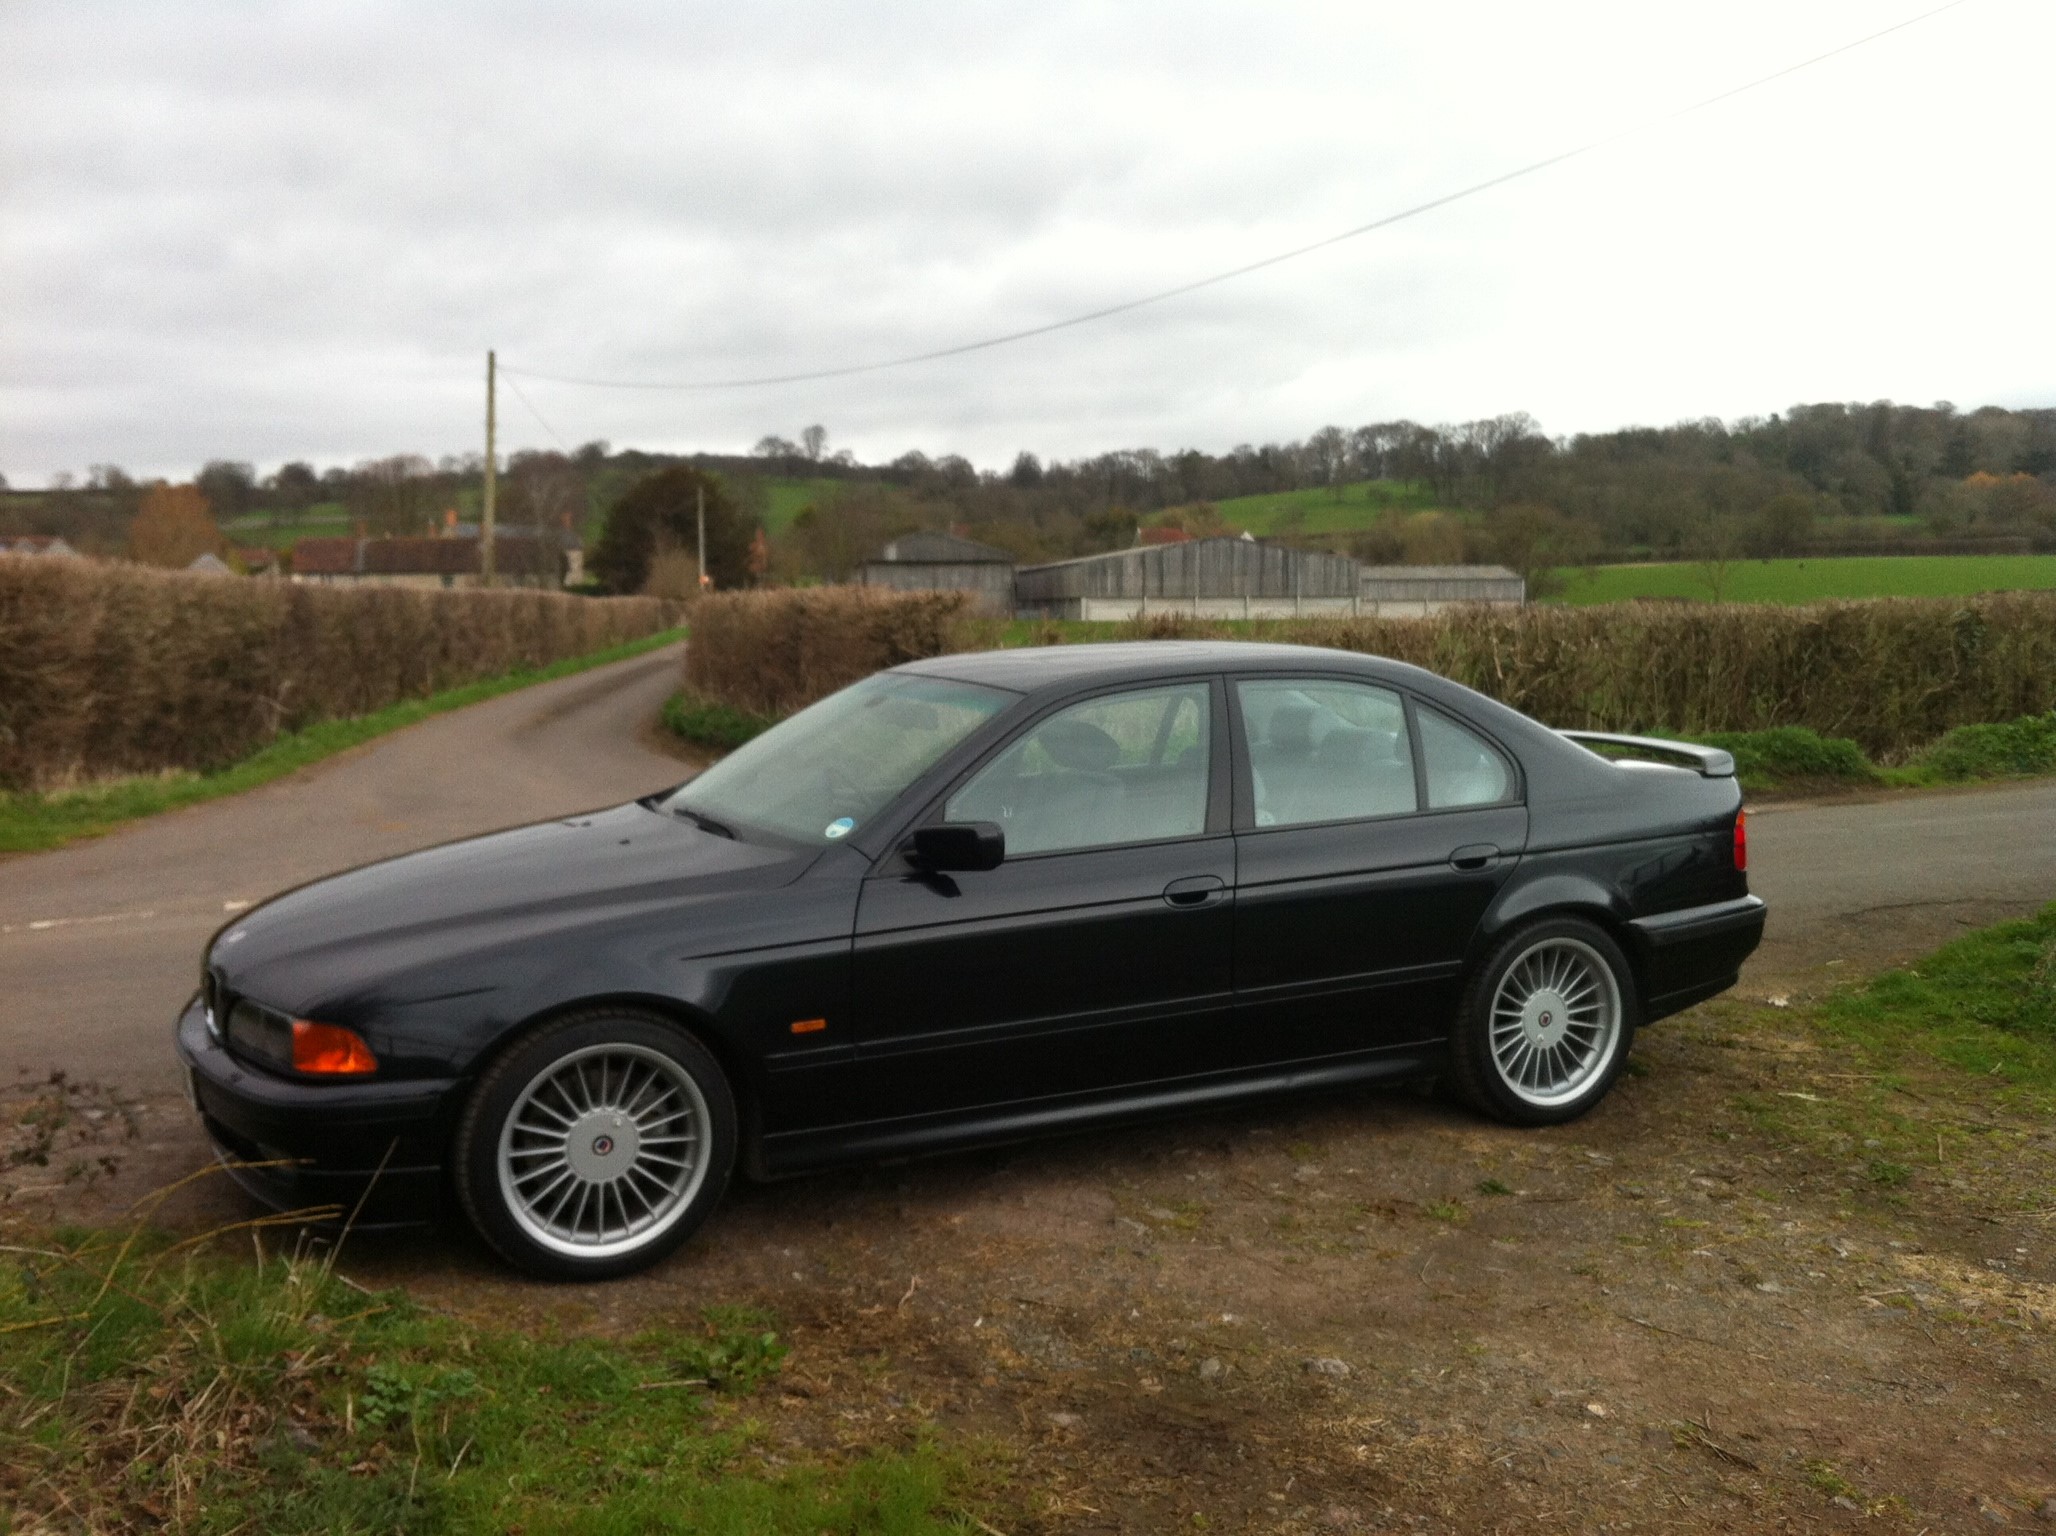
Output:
x,y
269,230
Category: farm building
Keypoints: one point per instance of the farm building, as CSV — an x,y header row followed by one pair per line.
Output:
x,y
39,544
1220,578
942,562
1414,591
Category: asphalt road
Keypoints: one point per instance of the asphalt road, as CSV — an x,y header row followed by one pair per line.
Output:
x,y
99,943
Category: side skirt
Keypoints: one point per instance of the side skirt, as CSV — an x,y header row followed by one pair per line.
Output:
x,y
794,1152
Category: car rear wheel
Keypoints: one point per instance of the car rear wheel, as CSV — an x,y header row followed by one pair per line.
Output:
x,y
596,1145
1545,1024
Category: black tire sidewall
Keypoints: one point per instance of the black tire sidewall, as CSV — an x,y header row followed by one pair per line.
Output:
x,y
475,1151
1477,1078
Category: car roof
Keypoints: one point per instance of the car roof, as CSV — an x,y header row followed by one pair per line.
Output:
x,y
1032,668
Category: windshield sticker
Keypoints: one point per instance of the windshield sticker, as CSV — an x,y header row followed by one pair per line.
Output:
x,y
842,826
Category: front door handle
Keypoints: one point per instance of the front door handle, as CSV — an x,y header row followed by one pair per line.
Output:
x,y
1195,891
1474,855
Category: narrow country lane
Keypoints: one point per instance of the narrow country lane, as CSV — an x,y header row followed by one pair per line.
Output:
x,y
100,942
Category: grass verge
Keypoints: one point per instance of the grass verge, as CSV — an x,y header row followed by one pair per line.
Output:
x,y
31,822
703,723
1794,759
147,1386
1944,1076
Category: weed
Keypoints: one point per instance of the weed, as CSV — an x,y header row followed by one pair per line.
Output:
x,y
1887,1174
738,1354
1447,1210
705,723
1493,1187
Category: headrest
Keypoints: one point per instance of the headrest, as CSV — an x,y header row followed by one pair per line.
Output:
x,y
1077,745
1292,729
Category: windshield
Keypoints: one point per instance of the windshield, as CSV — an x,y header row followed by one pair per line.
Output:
x,y
820,775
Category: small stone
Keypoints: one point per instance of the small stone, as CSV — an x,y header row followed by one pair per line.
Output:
x,y
1065,1420
2048,1510
1338,1517
1992,1514
1598,1410
1770,1288
1843,1501
1328,1365
1211,1369
1655,1435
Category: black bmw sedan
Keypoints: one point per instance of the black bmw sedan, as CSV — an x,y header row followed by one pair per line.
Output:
x,y
971,899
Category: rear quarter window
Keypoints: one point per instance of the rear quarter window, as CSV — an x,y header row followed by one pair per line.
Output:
x,y
1461,767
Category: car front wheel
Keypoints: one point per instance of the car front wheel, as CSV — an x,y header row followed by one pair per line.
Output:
x,y
1545,1024
596,1145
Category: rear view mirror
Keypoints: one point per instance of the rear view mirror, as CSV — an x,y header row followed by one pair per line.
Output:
x,y
958,845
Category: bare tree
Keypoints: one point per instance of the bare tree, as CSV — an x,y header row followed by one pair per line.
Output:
x,y
813,441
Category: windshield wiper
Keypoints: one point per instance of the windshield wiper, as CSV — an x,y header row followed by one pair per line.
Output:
x,y
704,822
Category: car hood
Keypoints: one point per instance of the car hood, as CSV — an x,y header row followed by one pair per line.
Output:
x,y
398,925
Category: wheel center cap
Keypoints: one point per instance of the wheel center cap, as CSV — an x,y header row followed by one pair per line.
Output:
x,y
1543,1018
601,1145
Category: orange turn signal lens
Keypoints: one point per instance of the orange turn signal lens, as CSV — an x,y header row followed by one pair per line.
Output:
x,y
330,1049
809,1026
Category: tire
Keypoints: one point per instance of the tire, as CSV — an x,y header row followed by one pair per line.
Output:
x,y
596,1145
1545,1023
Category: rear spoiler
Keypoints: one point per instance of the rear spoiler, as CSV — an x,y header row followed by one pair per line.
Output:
x,y
1710,762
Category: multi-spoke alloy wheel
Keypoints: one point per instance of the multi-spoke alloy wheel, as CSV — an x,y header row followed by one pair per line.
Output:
x,y
596,1145
1545,1023
1556,1021
604,1148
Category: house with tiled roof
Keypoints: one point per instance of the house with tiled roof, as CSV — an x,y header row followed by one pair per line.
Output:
x,y
518,561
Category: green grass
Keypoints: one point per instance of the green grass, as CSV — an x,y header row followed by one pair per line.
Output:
x,y
1791,758
1985,1005
1343,509
1806,581
785,498
145,1388
323,520
30,822
704,723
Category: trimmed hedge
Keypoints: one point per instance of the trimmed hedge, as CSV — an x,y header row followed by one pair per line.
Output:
x,y
120,669
770,653
1890,674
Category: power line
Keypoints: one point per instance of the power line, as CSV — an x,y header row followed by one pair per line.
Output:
x,y
1232,273
522,396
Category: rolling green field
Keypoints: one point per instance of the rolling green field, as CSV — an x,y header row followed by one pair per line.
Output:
x,y
1342,509
1806,581
784,498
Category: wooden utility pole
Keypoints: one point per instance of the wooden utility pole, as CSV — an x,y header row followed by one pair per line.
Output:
x,y
485,516
700,501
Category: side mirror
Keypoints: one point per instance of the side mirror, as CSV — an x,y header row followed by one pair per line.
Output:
x,y
957,845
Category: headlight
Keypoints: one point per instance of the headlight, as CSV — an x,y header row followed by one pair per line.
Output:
x,y
298,1045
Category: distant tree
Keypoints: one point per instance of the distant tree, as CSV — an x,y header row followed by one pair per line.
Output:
x,y
293,487
831,538
771,446
1328,449
1714,553
1781,525
402,494
660,508
812,441
1536,543
174,527
1026,473
230,486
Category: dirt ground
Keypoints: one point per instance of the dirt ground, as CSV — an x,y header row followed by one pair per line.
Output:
x,y
1694,1310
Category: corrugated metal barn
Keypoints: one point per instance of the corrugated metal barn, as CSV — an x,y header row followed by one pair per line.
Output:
x,y
1414,591
1224,578
942,562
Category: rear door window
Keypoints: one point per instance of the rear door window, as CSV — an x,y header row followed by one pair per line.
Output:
x,y
1323,750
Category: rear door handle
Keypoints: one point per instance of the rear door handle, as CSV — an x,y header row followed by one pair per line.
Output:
x,y
1474,855
1195,891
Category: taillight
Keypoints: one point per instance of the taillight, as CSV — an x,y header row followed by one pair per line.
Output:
x,y
330,1049
1741,841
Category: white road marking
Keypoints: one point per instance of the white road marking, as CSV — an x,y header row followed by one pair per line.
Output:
x,y
45,924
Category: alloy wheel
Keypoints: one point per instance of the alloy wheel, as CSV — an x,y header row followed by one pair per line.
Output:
x,y
604,1150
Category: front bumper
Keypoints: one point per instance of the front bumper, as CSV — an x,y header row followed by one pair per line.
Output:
x,y
1691,955
367,1153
